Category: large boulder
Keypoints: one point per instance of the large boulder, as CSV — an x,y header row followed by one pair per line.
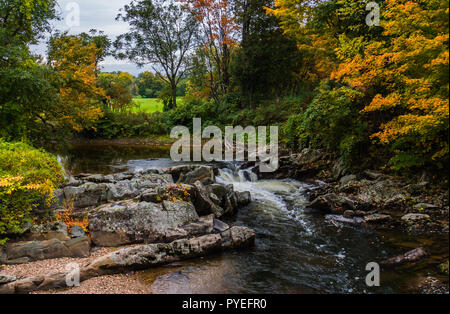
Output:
x,y
131,221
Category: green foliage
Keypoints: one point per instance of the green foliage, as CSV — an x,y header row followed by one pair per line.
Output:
x,y
127,124
28,177
331,122
118,89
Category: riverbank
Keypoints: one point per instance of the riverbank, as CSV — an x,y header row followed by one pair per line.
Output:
x,y
150,141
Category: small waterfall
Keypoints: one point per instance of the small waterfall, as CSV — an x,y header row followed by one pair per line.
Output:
x,y
229,175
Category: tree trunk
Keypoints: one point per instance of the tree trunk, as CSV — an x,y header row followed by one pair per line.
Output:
x,y
174,95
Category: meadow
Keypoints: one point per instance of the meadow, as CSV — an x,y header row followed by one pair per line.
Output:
x,y
150,105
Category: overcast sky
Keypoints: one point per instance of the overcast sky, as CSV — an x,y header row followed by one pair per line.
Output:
x,y
98,14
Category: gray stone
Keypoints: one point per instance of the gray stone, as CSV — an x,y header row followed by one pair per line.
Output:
x,y
244,198
79,247
347,179
422,206
203,203
37,250
203,174
413,218
134,222
372,174
220,226
376,218
77,231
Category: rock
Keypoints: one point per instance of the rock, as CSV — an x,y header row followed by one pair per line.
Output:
x,y
376,218
373,175
341,219
6,278
347,179
422,206
431,285
52,230
349,213
129,221
28,251
231,203
220,226
413,218
219,190
409,256
114,187
140,257
79,247
244,198
331,202
77,231
203,174
338,169
215,199
203,203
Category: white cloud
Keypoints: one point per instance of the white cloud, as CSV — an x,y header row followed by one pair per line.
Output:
x,y
95,14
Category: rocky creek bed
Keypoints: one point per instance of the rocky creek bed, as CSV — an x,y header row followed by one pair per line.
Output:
x,y
315,226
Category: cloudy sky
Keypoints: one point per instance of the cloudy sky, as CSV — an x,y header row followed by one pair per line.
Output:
x,y
98,14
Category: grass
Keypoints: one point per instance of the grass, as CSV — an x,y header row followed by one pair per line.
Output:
x,y
149,105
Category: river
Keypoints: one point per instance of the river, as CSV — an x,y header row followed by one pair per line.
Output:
x,y
295,251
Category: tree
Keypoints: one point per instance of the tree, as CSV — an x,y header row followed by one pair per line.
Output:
x,y
149,85
74,60
405,77
267,63
161,34
24,87
219,35
118,89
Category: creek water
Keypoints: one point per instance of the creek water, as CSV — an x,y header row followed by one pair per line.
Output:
x,y
295,251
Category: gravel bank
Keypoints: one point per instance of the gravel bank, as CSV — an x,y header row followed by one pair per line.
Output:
x,y
112,284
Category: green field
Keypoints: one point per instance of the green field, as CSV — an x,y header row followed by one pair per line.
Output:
x,y
149,104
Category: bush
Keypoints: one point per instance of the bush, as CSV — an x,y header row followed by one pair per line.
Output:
x,y
331,122
28,177
115,124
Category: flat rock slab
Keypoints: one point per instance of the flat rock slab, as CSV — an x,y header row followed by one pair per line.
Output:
x,y
140,257
28,251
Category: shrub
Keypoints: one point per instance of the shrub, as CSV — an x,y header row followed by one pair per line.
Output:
x,y
116,124
331,122
28,177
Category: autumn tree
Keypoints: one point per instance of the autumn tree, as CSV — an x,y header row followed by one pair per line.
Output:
x,y
74,61
219,33
161,34
406,76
